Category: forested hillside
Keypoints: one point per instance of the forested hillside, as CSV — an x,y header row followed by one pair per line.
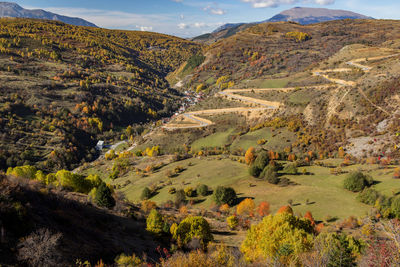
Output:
x,y
276,50
63,87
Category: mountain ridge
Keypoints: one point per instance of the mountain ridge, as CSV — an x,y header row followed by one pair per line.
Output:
x,y
302,15
10,9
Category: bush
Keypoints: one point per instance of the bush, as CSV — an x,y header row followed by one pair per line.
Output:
x,y
172,190
357,181
232,222
202,190
155,222
246,207
262,160
395,207
190,192
104,197
259,164
254,170
146,194
225,195
338,249
277,233
368,196
180,197
290,168
193,227
298,36
269,174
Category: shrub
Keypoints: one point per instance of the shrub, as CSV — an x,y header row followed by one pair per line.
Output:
x,y
269,174
246,207
278,233
290,168
190,192
27,172
193,227
395,207
104,197
124,260
146,193
180,197
368,196
285,209
338,249
225,195
298,36
155,222
263,209
232,222
224,209
147,205
202,190
262,160
357,181
72,181
172,190
254,170
259,164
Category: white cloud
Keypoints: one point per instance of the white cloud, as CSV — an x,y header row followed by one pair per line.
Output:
x,y
214,10
145,28
199,25
276,3
178,1
183,26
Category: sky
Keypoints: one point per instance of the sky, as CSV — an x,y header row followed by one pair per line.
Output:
x,y
189,18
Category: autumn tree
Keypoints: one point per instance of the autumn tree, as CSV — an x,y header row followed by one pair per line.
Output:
x,y
263,209
276,233
309,217
155,223
246,207
285,209
193,227
232,222
249,156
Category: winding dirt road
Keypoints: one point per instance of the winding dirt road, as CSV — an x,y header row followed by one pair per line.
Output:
x,y
192,119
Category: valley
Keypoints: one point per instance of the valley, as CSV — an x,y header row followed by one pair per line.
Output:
x,y
275,144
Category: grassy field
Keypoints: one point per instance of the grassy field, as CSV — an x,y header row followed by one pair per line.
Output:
x,y
270,83
276,140
319,191
214,140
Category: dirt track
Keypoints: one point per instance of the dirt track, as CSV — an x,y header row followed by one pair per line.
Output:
x,y
197,122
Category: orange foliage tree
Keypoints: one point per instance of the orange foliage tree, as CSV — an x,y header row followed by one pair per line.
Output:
x,y
285,209
249,157
309,217
263,209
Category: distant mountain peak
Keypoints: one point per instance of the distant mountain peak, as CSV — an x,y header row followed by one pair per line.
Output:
x,y
308,15
13,10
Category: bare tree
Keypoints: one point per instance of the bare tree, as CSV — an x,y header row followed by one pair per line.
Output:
x,y
39,248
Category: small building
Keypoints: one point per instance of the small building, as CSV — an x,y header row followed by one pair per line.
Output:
x,y
100,145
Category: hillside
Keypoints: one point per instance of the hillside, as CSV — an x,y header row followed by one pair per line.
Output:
x,y
279,146
13,10
265,51
64,87
302,15
46,226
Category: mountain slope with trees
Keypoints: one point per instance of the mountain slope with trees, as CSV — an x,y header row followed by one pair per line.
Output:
x,y
64,87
